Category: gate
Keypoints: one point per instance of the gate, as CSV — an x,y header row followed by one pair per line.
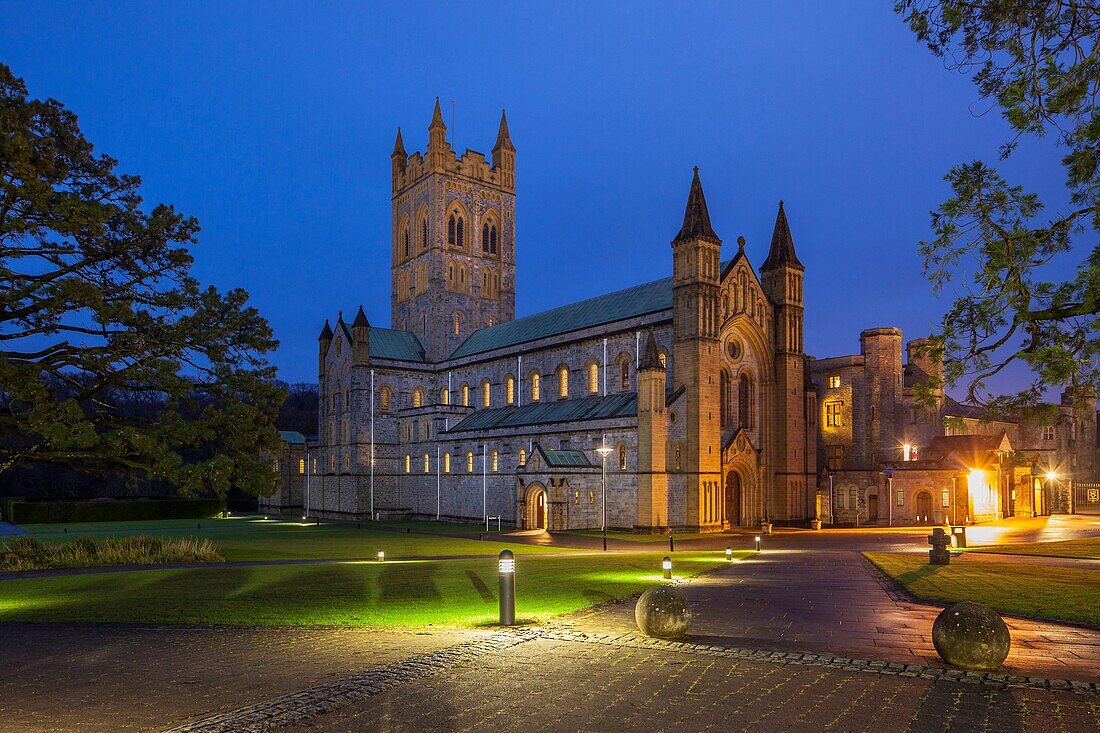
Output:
x,y
1086,498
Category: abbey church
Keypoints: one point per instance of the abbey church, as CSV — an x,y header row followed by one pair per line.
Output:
x,y
689,400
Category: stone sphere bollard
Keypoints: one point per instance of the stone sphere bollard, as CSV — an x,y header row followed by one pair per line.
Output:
x,y
971,636
663,612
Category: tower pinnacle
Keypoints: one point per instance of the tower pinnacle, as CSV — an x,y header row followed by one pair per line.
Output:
x,y
696,217
782,252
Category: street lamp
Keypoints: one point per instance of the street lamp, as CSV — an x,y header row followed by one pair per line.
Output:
x,y
729,554
604,450
758,543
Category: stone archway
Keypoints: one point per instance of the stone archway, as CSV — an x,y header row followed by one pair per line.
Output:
x,y
534,507
734,494
924,507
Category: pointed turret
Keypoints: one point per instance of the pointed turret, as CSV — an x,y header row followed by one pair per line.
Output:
x,y
399,146
360,344
781,253
651,357
323,342
399,160
504,140
437,139
696,217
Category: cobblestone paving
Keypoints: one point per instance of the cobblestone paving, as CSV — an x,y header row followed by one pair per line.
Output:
x,y
557,685
122,678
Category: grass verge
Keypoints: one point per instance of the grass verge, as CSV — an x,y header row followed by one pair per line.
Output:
x,y
26,552
417,593
1058,594
1086,549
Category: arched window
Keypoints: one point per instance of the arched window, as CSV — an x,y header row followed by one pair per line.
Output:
x,y
458,323
451,231
622,457
485,238
301,465
424,234
536,387
460,230
662,356
446,463
384,399
522,457
744,401
465,395
493,239
593,378
418,397
563,382
726,390
510,389
469,462
444,396
347,462
406,238
408,463
496,460
624,374
427,463
485,393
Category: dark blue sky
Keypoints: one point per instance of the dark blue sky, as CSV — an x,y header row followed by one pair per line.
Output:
x,y
273,123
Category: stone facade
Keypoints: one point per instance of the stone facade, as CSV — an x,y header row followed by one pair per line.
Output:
x,y
461,411
885,458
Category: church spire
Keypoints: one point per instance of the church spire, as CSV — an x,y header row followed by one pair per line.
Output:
x,y
651,357
399,145
437,117
504,140
781,253
696,217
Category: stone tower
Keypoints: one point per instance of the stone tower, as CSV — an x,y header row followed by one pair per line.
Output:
x,y
652,437
781,277
453,262
696,272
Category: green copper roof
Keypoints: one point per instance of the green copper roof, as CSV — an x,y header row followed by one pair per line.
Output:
x,y
561,458
292,436
622,404
386,343
640,300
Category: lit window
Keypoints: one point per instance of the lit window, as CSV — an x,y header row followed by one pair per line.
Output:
x,y
576,498
663,358
427,463
522,457
418,397
593,378
446,463
563,382
485,393
622,457
853,497
901,497
458,323
465,395
624,375
510,390
314,467
408,463
496,460
301,465
832,414
591,497
469,462
347,462
444,396
1048,432
945,498
536,387
490,322
834,381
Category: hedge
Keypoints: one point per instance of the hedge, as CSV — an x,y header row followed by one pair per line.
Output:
x,y
54,512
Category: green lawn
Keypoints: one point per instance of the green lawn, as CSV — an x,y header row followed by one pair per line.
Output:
x,y
413,593
256,539
1087,548
1059,594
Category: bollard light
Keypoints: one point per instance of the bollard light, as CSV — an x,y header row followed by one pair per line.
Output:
x,y
506,570
758,543
671,543
381,555
666,564
729,554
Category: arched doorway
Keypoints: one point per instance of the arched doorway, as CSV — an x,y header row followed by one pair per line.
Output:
x,y
733,498
924,506
534,514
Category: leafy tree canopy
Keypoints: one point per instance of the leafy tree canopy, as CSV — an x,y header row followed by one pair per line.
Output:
x,y
1037,62
98,308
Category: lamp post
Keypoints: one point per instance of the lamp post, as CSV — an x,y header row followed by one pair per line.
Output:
x,y
604,450
757,543
305,504
506,569
666,565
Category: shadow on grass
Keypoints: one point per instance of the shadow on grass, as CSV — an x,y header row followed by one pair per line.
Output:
x,y
912,576
482,589
408,581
